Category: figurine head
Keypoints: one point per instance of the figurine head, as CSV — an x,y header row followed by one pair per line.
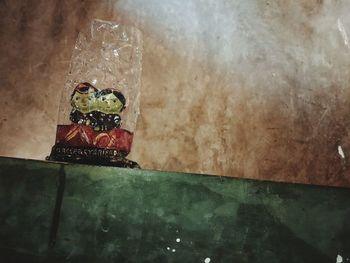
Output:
x,y
83,97
111,101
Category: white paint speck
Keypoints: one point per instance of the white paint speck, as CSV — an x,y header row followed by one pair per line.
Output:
x,y
168,248
173,250
206,260
339,259
178,240
341,152
104,229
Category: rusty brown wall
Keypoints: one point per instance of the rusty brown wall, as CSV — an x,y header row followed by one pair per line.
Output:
x,y
256,89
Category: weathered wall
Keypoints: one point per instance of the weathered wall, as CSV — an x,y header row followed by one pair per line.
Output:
x,y
256,89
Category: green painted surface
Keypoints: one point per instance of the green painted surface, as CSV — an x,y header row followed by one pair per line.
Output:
x,y
121,215
27,199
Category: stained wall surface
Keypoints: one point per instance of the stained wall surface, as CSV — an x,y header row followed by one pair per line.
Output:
x,y
255,89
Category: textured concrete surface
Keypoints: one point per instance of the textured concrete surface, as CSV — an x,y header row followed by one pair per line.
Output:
x,y
123,215
256,89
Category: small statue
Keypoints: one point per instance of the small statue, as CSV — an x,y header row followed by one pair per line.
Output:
x,y
110,102
83,101
94,126
99,109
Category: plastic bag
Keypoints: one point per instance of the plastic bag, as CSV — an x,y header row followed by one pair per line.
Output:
x,y
100,101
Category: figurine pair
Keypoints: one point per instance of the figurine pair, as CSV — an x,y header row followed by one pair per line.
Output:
x,y
97,108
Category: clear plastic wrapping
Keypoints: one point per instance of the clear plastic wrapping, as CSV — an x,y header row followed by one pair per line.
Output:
x,y
100,101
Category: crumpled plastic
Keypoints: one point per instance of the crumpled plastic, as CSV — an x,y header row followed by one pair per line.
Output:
x,y
101,98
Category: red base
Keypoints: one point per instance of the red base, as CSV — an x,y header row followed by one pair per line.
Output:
x,y
76,135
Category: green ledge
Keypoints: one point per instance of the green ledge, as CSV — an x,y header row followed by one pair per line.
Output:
x,y
54,212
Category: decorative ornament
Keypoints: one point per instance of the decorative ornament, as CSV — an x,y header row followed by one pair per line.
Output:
x,y
97,119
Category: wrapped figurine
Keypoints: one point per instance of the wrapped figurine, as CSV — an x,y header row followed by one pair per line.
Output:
x,y
83,103
100,102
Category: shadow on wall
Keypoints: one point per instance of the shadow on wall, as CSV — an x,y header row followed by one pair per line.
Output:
x,y
251,89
